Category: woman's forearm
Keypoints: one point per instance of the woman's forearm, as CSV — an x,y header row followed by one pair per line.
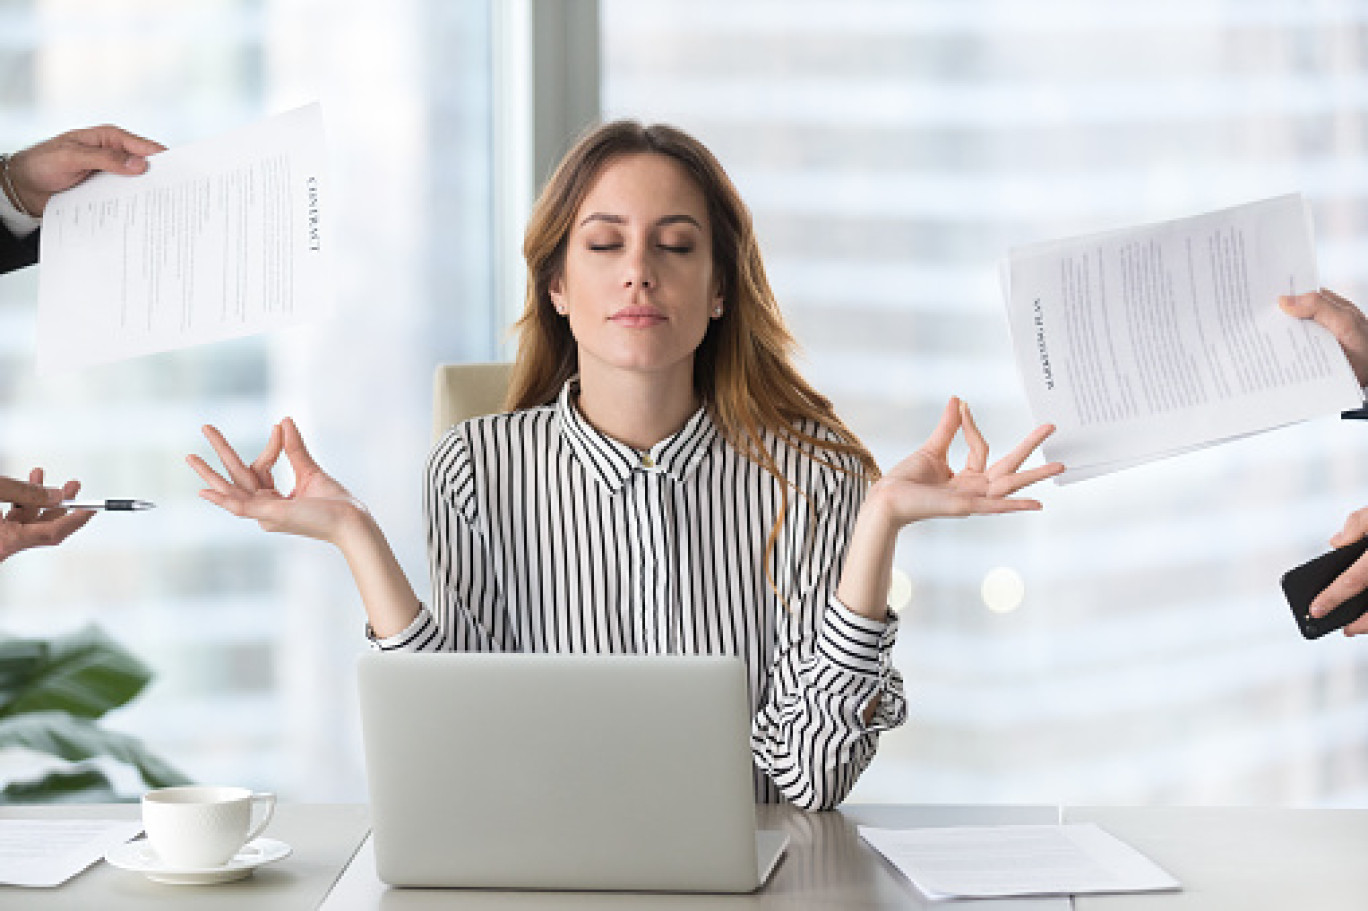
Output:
x,y
868,570
385,591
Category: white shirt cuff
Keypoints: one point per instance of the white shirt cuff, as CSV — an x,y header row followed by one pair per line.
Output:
x,y
16,222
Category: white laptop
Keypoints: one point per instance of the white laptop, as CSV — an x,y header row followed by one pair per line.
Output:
x,y
532,771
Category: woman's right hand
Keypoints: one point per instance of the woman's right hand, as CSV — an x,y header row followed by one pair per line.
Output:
x,y
318,507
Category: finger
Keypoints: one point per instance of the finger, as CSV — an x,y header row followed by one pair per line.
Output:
x,y
300,460
1300,305
996,505
32,493
1022,451
265,462
1341,317
53,531
242,506
944,434
1358,627
105,148
1347,584
1338,298
1355,527
68,491
978,446
118,138
1010,484
24,513
209,475
65,526
225,500
1325,307
241,475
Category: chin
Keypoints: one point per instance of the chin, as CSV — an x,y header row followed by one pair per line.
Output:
x,y
644,361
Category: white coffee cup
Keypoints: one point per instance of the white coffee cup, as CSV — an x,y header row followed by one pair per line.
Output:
x,y
198,827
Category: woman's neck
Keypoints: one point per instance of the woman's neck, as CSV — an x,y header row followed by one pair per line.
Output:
x,y
635,408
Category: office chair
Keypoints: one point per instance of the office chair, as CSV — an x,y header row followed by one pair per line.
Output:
x,y
461,391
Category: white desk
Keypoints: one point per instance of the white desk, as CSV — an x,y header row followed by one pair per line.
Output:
x,y
1228,859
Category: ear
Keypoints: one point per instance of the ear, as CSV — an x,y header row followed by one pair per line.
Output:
x,y
556,290
718,298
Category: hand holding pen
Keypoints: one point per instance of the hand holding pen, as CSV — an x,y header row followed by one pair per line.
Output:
x,y
36,517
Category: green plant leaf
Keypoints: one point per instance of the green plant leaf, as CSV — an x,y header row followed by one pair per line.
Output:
x,y
84,674
74,739
79,786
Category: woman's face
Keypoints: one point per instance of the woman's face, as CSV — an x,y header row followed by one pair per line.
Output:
x,y
638,285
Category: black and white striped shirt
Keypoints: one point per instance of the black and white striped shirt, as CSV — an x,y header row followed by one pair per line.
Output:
x,y
544,535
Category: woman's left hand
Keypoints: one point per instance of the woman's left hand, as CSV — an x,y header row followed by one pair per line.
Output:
x,y
924,486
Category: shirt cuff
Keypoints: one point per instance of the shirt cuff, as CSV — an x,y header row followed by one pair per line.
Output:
x,y
16,222
854,642
417,631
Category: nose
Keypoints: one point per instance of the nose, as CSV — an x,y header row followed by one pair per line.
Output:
x,y
638,269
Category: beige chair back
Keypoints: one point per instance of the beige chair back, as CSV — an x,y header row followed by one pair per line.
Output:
x,y
463,391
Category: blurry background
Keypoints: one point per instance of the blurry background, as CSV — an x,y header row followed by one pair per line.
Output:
x,y
1129,644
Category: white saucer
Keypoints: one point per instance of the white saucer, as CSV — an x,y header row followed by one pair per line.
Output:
x,y
139,857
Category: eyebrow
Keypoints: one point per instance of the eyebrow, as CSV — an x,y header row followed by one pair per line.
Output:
x,y
619,220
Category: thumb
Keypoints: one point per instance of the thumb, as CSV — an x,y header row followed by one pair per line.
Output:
x,y
1354,528
1301,305
116,161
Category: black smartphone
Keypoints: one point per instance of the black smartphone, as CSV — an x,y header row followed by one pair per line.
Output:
x,y
1308,580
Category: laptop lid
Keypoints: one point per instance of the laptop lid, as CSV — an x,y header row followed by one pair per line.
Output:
x,y
561,771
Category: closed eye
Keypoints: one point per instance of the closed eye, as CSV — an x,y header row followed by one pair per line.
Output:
x,y
604,247
677,248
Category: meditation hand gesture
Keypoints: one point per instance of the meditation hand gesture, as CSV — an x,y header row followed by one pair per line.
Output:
x,y
923,485
318,507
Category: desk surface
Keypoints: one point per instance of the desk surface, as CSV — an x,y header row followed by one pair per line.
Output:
x,y
324,838
1252,859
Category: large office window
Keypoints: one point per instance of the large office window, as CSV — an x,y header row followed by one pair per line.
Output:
x,y
892,151
252,636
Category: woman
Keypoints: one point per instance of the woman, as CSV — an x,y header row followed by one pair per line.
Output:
x,y
665,481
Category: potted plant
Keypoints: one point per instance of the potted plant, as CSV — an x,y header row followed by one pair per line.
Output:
x,y
52,693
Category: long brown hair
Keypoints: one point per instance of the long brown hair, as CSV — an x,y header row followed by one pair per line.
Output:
x,y
743,370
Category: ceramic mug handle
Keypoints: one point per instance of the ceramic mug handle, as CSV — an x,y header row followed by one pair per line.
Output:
x,y
268,800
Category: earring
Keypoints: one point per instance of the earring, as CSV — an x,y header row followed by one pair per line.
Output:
x,y
717,311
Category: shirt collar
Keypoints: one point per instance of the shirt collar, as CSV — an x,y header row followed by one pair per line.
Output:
x,y
612,463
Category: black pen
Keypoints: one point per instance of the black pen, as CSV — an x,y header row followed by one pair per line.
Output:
x,y
112,505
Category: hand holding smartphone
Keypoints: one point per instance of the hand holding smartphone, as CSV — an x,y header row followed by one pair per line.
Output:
x,y
1301,585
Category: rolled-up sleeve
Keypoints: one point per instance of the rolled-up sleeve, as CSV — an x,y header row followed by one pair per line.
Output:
x,y
811,735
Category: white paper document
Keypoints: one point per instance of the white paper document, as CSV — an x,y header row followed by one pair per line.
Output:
x,y
1152,341
217,239
48,852
1001,861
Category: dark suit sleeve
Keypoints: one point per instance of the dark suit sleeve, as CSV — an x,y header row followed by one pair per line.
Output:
x,y
16,252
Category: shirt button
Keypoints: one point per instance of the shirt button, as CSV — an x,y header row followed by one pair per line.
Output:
x,y
647,461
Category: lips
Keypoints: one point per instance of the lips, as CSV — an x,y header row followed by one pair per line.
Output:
x,y
636,317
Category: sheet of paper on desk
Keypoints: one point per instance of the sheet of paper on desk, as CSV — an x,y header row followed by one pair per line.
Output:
x,y
1148,342
1001,861
48,852
218,239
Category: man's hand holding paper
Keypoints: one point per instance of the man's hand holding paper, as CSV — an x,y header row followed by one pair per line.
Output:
x,y
1147,342
218,239
1341,318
